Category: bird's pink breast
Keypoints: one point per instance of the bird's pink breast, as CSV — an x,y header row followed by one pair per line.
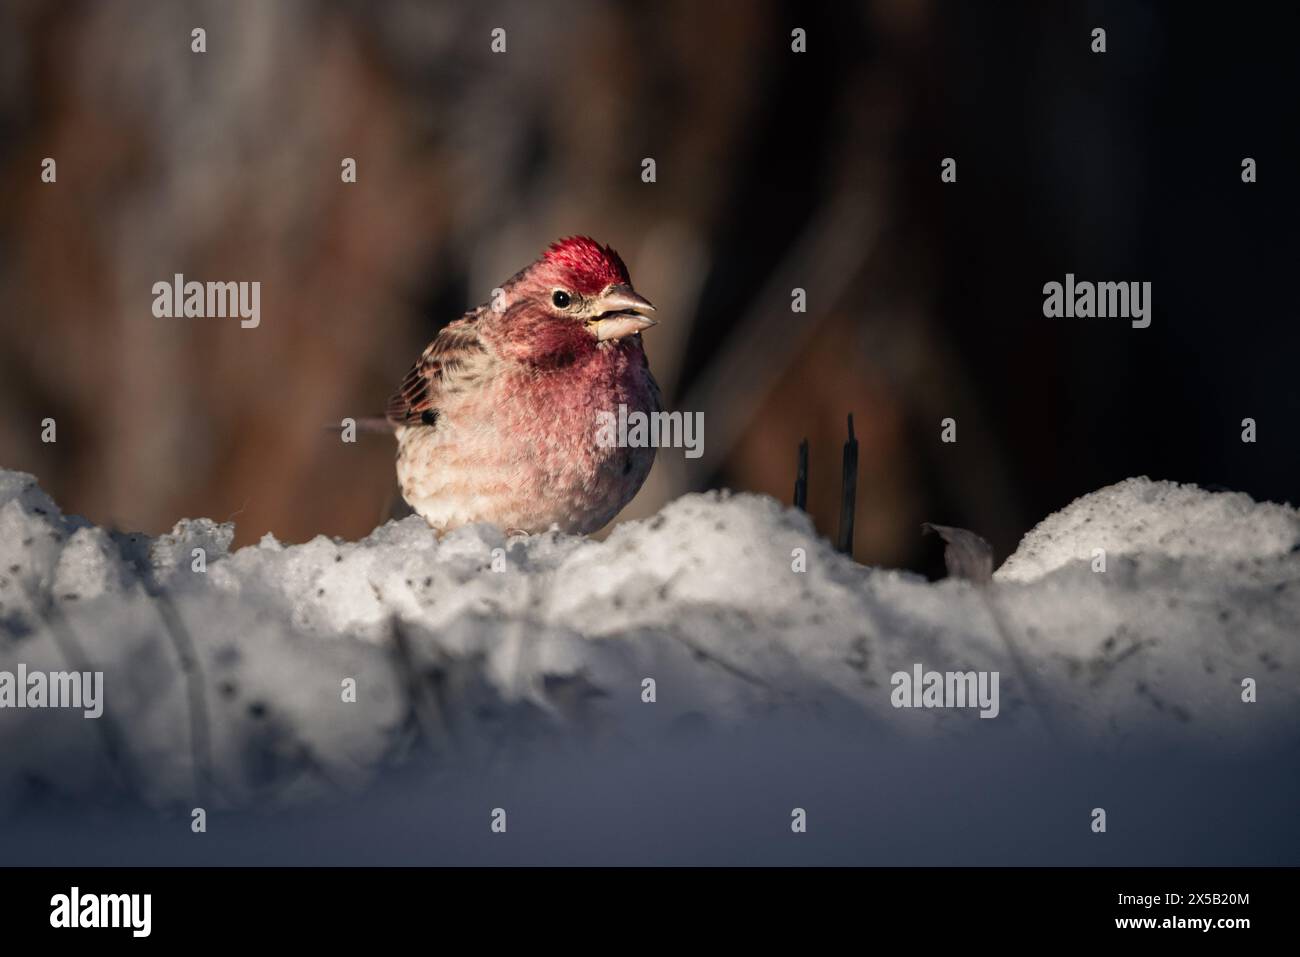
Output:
x,y
523,452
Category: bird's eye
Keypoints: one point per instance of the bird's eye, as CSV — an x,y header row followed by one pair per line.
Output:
x,y
560,298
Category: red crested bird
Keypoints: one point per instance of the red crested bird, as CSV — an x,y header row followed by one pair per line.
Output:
x,y
497,421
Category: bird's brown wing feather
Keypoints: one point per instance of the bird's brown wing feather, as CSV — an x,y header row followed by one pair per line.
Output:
x,y
453,361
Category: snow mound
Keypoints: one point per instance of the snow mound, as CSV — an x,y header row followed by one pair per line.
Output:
x,y
1162,518
277,674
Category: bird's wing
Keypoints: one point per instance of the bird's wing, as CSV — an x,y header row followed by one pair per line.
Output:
x,y
455,360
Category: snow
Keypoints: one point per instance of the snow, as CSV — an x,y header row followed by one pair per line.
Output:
x,y
1158,518
488,652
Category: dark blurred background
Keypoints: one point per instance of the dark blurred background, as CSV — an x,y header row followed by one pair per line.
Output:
x,y
775,169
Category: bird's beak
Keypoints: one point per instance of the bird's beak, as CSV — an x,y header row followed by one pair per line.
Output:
x,y
621,312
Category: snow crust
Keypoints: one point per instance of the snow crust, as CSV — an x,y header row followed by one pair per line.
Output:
x,y
477,650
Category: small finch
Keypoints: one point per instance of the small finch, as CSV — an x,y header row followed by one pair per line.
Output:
x,y
497,420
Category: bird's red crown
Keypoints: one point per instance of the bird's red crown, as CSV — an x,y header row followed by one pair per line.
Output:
x,y
591,266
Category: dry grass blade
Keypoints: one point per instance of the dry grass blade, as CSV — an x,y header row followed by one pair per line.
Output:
x,y
801,479
848,492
